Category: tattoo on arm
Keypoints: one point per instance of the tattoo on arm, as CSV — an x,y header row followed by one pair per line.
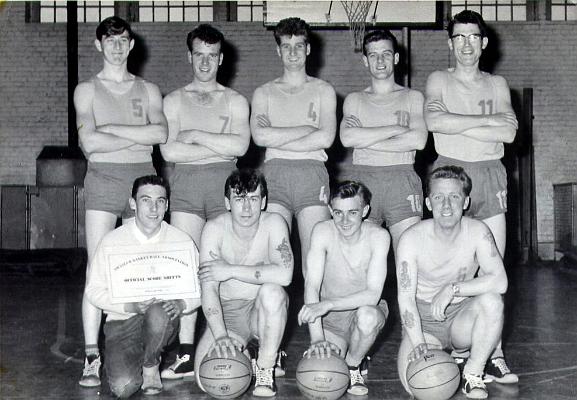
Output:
x,y
213,255
285,253
257,274
489,238
408,319
404,278
211,311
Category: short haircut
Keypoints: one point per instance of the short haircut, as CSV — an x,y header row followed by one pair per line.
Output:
x,y
205,33
113,26
149,180
243,181
468,17
451,172
348,189
378,35
293,26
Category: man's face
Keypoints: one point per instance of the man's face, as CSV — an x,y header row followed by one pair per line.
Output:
x,y
115,48
246,208
149,206
348,214
205,59
467,43
381,59
293,51
447,201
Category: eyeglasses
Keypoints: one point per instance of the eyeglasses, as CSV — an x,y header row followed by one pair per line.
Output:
x,y
471,38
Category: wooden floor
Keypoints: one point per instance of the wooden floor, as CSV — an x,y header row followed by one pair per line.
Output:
x,y
42,346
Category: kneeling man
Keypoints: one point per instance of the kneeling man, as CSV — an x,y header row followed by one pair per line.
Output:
x,y
450,278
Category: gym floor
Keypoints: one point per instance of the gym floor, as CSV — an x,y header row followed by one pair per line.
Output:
x,y
42,345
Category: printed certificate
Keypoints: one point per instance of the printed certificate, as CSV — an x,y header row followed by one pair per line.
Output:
x,y
162,271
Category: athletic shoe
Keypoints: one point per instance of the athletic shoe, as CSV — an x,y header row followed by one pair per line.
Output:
x,y
357,384
264,385
280,366
91,373
364,367
181,368
473,387
498,371
151,383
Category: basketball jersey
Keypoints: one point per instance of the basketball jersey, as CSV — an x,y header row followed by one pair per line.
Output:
x,y
340,277
294,109
216,118
462,266
396,110
460,100
129,108
237,252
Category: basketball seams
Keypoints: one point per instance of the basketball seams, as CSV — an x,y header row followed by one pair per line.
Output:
x,y
435,386
431,366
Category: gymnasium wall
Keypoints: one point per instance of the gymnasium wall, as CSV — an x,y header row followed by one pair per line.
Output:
x,y
33,83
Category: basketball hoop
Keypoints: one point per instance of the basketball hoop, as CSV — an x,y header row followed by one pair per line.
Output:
x,y
357,12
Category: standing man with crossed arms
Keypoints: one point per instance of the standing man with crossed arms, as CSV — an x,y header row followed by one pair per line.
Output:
x,y
119,118
207,130
294,118
384,125
470,114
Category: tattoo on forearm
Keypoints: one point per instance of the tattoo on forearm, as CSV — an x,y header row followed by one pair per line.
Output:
x,y
489,238
408,319
285,253
257,274
404,278
211,311
213,255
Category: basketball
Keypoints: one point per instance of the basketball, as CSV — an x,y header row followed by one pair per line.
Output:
x,y
225,378
435,376
322,379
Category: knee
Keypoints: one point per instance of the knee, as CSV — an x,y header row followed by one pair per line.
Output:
x,y
492,304
369,319
124,386
272,297
156,319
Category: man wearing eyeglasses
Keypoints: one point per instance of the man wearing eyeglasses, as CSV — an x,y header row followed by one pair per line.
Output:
x,y
469,112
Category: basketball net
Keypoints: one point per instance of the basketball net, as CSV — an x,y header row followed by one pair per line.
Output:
x,y
357,12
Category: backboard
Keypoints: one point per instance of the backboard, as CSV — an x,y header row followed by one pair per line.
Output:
x,y
331,14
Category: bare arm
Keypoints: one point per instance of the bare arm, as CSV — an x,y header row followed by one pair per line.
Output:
x,y
499,127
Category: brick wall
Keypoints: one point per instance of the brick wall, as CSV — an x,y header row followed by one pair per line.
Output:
x,y
33,82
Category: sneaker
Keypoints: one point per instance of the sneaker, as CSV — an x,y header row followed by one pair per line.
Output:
x,y
473,387
91,373
498,371
280,366
151,383
264,385
364,367
357,384
182,367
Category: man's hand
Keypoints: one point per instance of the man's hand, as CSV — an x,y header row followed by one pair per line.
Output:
x,y
440,302
322,349
139,307
186,137
502,119
214,270
310,312
418,352
353,122
173,308
224,345
262,121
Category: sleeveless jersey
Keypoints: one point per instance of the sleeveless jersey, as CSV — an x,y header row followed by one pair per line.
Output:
x,y
236,252
461,267
216,118
129,108
394,111
288,110
459,100
340,277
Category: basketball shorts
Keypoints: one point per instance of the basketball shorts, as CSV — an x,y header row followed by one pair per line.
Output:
x,y
199,189
108,186
341,322
397,191
297,184
440,329
489,192
237,315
